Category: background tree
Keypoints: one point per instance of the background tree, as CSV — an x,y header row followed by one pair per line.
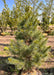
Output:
x,y
52,20
4,17
47,13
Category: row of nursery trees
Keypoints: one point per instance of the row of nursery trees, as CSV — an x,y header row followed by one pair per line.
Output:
x,y
11,18
29,48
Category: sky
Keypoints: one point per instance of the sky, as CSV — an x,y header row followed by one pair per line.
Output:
x,y
10,4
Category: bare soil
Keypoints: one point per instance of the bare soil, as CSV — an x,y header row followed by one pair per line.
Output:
x,y
51,41
5,40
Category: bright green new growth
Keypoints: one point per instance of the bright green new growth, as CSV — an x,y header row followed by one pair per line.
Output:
x,y
29,48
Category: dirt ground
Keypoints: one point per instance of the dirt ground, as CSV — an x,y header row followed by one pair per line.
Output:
x,y
51,41
5,40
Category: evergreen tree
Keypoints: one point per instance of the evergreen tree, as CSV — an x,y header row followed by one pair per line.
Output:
x,y
45,22
4,17
29,48
52,20
47,14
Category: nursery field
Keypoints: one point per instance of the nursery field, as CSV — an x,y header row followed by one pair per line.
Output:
x,y
30,23
5,41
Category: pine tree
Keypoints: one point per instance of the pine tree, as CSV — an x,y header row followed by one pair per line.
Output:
x,y
47,14
52,20
4,17
29,48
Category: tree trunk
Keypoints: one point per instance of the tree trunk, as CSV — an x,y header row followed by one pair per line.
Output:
x,y
1,30
20,72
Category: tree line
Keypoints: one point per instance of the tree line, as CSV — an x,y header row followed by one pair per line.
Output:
x,y
11,18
